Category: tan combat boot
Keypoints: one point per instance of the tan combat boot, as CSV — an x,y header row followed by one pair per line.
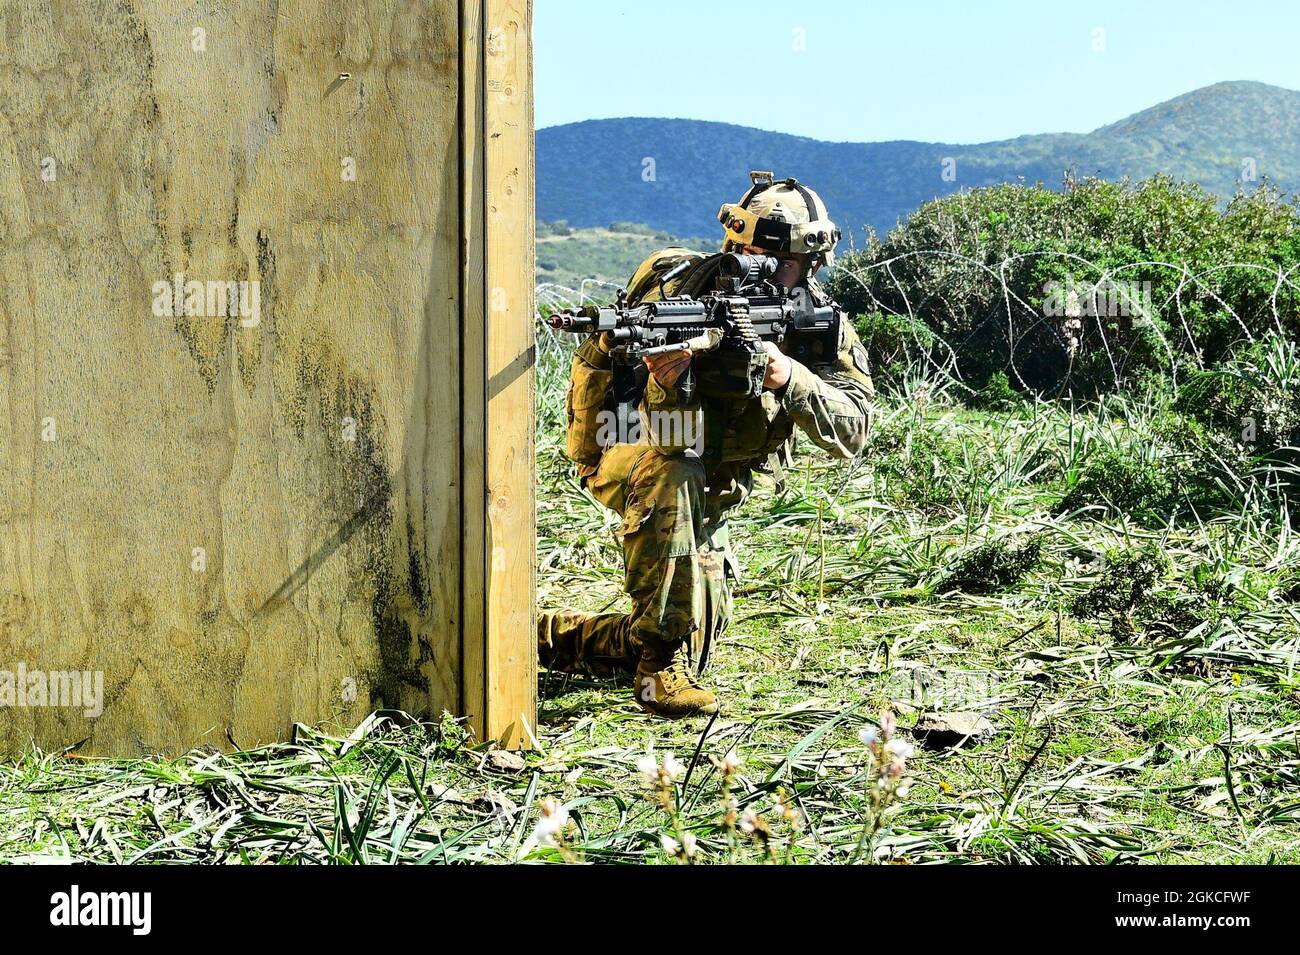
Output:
x,y
554,651
665,685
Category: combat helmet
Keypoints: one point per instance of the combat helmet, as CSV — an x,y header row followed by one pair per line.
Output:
x,y
781,216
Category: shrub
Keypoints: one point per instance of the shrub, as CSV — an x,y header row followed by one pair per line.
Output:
x,y
1208,468
894,343
1136,594
1253,397
919,465
1121,481
1126,586
995,394
1055,251
631,228
994,566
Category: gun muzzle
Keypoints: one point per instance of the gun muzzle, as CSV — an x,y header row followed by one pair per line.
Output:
x,y
567,321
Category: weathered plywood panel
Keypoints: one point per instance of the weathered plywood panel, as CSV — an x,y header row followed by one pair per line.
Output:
x,y
247,521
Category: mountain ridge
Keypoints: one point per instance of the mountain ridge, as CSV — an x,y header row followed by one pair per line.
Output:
x,y
672,174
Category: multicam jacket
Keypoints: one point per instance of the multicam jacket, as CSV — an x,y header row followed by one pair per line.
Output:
x,y
829,399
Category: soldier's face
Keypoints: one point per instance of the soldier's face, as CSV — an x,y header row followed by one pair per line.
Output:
x,y
791,272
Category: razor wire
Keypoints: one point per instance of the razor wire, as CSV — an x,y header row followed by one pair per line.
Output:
x,y
1023,319
1107,278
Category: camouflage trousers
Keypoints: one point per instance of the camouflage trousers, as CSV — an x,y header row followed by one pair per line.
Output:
x,y
677,567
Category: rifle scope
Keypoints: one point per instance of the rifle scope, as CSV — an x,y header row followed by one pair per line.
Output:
x,y
747,270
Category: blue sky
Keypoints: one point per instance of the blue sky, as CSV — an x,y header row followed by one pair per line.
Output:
x,y
935,70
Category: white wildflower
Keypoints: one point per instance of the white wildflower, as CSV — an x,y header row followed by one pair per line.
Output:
x,y
689,844
900,748
672,768
552,823
648,768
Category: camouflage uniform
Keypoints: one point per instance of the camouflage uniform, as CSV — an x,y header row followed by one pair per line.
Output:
x,y
677,560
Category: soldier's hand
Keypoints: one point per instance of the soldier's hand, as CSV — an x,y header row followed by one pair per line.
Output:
x,y
778,367
668,368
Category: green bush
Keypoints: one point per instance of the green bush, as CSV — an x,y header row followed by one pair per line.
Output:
x,y
1137,592
995,394
1126,587
632,228
919,466
1121,481
1067,321
994,566
894,344
1207,467
1254,396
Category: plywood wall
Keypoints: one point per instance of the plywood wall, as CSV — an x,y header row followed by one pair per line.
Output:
x,y
316,507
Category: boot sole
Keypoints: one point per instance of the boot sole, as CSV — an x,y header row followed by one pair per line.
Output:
x,y
702,711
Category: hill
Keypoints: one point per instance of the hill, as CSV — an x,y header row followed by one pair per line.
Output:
x,y
673,173
607,255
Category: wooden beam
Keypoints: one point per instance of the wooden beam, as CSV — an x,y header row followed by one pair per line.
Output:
x,y
473,407
500,685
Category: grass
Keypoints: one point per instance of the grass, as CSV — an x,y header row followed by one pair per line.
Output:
x,y
1165,728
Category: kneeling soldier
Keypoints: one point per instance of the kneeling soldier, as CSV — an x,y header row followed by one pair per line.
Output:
x,y
673,501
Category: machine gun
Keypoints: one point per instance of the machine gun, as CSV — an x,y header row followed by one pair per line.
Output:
x,y
725,330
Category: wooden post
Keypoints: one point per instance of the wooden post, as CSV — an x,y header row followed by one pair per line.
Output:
x,y
499,676
306,510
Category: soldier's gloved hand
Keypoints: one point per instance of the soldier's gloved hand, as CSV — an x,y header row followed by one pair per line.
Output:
x,y
669,367
778,368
